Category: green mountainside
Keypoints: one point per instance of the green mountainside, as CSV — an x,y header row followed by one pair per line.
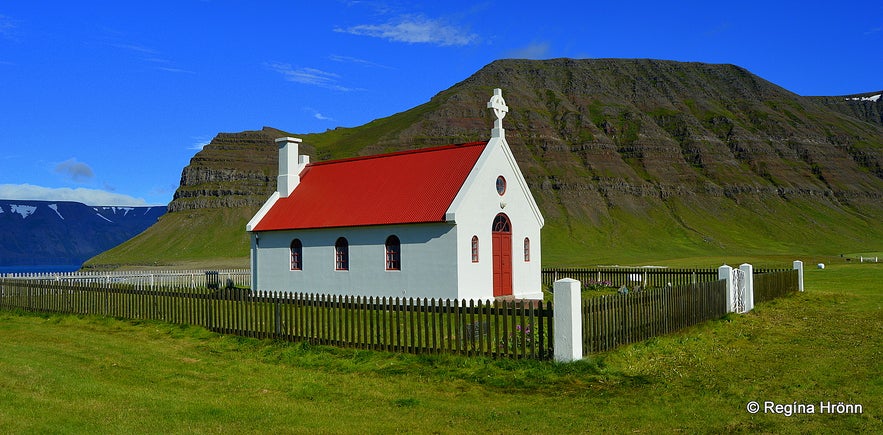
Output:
x,y
630,160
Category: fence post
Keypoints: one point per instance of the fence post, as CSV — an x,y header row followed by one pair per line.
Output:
x,y
568,321
798,266
277,316
749,285
726,273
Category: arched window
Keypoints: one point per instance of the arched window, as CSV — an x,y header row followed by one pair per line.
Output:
x,y
297,255
341,254
501,224
526,249
475,249
393,253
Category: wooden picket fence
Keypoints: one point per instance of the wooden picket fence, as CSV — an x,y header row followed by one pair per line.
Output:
x,y
513,329
771,285
613,320
646,277
500,329
643,277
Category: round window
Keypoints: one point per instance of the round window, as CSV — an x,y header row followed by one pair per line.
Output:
x,y
501,185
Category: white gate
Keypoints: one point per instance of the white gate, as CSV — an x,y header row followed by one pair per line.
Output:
x,y
738,288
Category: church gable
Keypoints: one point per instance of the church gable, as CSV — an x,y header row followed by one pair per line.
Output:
x,y
496,178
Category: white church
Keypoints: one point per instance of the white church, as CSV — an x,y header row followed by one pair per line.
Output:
x,y
451,222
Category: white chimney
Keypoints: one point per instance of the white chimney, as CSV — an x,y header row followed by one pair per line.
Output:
x,y
290,165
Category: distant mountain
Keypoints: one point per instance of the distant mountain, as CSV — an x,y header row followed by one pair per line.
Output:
x,y
627,158
867,106
62,234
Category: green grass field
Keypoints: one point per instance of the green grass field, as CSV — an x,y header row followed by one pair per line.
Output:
x,y
65,374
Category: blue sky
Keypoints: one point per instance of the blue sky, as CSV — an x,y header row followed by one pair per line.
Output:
x,y
105,102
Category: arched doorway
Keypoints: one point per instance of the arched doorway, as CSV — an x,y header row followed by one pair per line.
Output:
x,y
501,235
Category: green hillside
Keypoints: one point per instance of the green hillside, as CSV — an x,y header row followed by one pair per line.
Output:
x,y
204,238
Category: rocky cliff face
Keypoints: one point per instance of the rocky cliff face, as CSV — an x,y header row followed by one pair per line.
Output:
x,y
233,170
603,140
642,128
596,134
868,107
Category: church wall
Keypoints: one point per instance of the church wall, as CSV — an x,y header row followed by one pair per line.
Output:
x,y
428,257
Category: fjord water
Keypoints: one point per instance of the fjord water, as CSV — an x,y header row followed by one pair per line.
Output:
x,y
40,269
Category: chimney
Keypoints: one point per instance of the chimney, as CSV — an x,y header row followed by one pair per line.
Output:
x,y
290,165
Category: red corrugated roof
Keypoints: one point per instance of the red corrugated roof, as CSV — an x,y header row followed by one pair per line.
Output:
x,y
405,187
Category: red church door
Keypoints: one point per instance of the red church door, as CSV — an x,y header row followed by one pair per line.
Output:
x,y
502,246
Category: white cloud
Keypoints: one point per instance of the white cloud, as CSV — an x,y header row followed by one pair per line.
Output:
x,y
75,171
175,70
316,114
414,29
357,61
151,55
136,48
8,28
535,50
309,76
199,143
85,196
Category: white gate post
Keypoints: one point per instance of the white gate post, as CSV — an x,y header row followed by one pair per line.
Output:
x,y
568,321
798,266
726,272
749,285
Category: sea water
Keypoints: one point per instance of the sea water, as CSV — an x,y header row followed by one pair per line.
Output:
x,y
41,269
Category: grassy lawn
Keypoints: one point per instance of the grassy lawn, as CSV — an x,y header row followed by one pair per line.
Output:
x,y
66,374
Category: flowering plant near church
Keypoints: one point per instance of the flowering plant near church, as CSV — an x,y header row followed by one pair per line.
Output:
x,y
597,285
526,334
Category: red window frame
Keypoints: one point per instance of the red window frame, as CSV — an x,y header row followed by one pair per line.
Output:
x,y
341,254
297,255
393,253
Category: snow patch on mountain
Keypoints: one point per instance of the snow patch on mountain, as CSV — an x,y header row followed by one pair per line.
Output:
x,y
102,217
54,207
871,98
23,210
116,211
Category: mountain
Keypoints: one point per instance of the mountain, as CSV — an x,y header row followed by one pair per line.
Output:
x,y
234,170
627,158
61,234
867,106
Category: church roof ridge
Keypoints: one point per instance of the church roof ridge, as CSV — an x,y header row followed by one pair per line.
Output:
x,y
398,153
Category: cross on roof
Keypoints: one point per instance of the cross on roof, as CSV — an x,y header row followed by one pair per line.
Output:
x,y
500,109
